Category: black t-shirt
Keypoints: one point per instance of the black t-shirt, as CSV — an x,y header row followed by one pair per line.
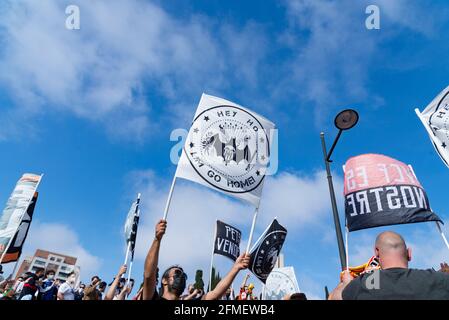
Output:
x,y
399,284
29,288
156,296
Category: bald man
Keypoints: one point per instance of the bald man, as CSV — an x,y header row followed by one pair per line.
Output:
x,y
395,280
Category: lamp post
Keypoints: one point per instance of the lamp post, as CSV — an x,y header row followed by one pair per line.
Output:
x,y
345,120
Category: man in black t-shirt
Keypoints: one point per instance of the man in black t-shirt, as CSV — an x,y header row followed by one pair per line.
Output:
x,y
173,280
31,285
395,280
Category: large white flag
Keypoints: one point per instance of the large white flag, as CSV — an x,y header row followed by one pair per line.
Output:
x,y
16,208
435,119
227,149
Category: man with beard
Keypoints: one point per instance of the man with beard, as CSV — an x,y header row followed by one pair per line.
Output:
x,y
173,282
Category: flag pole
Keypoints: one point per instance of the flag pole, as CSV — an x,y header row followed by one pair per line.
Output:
x,y
336,217
14,269
167,205
418,113
212,259
248,246
347,246
127,252
21,218
442,234
137,213
130,269
431,136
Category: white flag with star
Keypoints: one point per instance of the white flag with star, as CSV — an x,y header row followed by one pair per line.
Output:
x,y
227,149
435,118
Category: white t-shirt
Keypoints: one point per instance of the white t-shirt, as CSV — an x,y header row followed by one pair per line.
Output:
x,y
67,291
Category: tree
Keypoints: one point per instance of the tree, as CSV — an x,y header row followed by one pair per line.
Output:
x,y
216,278
199,283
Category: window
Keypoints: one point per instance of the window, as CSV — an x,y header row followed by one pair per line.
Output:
x,y
58,260
39,262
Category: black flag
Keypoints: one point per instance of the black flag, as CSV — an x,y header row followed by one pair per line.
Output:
x,y
381,191
131,224
227,240
134,236
265,252
15,249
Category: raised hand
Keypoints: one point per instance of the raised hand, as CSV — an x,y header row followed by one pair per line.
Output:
x,y
161,227
242,262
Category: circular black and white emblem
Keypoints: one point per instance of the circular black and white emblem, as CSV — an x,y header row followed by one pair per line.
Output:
x,y
278,285
267,253
439,121
229,148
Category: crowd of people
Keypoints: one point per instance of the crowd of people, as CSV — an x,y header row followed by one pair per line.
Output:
x,y
42,285
395,280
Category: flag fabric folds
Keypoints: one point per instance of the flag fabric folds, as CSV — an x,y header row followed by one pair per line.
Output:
x,y
381,191
15,249
227,149
265,252
435,119
227,241
131,225
16,208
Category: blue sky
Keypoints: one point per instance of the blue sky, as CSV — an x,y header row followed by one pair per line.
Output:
x,y
93,110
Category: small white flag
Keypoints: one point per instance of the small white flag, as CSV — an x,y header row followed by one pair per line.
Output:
x,y
435,118
280,282
227,149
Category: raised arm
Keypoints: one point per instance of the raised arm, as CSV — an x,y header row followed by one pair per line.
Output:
x,y
336,294
111,292
125,291
91,288
151,262
241,263
192,295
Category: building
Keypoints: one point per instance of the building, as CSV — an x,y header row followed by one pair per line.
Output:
x,y
61,264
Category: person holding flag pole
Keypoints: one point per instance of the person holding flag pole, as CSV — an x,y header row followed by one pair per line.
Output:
x,y
387,193
227,149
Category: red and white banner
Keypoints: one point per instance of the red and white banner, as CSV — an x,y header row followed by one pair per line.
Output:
x,y
381,191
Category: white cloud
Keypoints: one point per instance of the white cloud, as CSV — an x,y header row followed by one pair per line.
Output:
x,y
61,238
428,248
126,55
412,16
298,201
332,52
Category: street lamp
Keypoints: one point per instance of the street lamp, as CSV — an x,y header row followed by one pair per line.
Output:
x,y
345,120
